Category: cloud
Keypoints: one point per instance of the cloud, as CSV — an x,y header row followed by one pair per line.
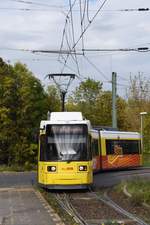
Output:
x,y
110,29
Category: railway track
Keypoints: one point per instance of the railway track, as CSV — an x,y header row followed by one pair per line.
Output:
x,y
65,203
124,217
108,201
80,205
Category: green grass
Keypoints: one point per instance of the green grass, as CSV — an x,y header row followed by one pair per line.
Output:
x,y
146,159
139,188
16,168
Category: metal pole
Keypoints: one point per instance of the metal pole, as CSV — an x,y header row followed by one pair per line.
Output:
x,y
142,132
63,95
114,91
142,127
63,91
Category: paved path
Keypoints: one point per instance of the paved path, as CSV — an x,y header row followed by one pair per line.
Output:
x,y
17,179
21,204
25,206
108,179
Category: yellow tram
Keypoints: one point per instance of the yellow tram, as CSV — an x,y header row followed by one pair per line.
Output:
x,y
65,158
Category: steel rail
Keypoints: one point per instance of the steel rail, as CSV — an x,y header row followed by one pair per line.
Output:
x,y
75,211
65,204
108,201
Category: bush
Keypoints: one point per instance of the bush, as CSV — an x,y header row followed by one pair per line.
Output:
x,y
137,199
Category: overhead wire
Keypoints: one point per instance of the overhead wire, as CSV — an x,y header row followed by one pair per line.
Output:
x,y
108,81
70,9
119,10
64,29
28,59
67,32
84,10
103,74
25,9
73,37
129,10
96,68
63,57
102,5
37,9
22,1
81,23
69,47
36,3
88,11
123,78
40,51
63,35
140,49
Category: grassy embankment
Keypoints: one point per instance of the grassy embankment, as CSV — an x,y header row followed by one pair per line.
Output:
x,y
146,159
139,190
134,196
16,168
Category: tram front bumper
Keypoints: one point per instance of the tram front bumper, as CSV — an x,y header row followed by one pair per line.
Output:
x,y
69,179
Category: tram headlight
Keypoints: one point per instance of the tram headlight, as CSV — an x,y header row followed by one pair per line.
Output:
x,y
51,168
82,168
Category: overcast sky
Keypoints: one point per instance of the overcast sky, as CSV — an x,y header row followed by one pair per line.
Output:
x,y
42,26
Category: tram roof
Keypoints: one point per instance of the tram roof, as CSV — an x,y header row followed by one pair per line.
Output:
x,y
65,118
104,128
116,134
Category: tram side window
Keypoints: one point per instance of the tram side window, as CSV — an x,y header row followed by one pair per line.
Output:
x,y
95,150
42,148
119,147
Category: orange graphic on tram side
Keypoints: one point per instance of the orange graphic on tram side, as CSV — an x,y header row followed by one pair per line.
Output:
x,y
112,158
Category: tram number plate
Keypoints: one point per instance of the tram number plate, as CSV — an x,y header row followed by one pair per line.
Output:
x,y
67,168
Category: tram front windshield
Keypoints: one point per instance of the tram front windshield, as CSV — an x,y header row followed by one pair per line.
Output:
x,y
67,143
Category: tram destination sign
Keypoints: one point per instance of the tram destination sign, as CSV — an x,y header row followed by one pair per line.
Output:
x,y
67,129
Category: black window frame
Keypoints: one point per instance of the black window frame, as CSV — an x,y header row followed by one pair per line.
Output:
x,y
123,144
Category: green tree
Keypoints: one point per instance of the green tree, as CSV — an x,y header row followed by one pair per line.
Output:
x,y
103,111
96,104
22,106
84,98
88,91
53,99
138,100
32,109
8,111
